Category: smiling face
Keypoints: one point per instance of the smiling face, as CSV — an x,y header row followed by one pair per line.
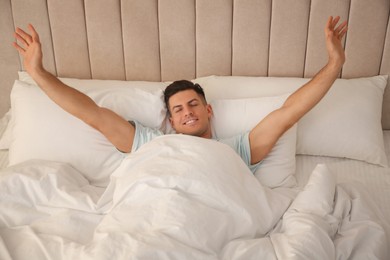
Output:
x,y
190,114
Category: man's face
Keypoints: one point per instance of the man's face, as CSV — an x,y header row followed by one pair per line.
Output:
x,y
189,114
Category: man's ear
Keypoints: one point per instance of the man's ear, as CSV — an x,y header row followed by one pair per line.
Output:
x,y
209,110
171,122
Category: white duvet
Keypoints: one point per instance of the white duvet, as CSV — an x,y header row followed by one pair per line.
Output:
x,y
181,197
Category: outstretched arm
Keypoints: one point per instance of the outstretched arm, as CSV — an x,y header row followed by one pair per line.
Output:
x,y
264,135
116,129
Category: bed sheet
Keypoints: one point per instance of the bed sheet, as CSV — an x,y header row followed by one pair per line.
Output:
x,y
375,179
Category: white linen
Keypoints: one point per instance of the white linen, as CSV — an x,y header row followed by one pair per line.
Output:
x,y
325,221
374,179
172,200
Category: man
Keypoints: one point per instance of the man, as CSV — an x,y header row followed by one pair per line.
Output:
x,y
188,110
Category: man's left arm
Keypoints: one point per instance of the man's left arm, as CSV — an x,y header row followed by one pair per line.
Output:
x,y
265,134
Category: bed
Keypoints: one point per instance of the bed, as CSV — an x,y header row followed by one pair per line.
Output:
x,y
322,193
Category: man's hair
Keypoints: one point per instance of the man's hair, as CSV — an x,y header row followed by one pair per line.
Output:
x,y
182,85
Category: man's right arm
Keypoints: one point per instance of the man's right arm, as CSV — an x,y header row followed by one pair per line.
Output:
x,y
115,128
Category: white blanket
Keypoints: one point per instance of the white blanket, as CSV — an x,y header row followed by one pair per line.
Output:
x,y
181,197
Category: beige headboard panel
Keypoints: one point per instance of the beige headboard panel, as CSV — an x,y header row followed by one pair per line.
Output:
x,y
160,40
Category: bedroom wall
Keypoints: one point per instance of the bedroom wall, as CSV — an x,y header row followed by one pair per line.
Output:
x,y
172,39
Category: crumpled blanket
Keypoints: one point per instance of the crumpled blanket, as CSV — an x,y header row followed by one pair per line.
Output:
x,y
181,197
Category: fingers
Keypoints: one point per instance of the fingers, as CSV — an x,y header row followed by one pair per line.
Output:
x,y
21,39
335,21
34,34
18,48
341,27
341,30
329,23
338,31
24,37
332,22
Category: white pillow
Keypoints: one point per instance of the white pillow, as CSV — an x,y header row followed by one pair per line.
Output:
x,y
42,130
346,123
234,116
86,85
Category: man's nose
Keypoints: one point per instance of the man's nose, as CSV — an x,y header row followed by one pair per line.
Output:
x,y
188,111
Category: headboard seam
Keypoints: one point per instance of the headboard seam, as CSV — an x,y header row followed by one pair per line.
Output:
x,y
159,38
346,35
122,38
14,27
384,44
307,41
269,37
196,44
51,39
87,32
232,42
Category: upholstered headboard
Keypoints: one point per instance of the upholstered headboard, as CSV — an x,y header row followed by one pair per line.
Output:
x,y
173,39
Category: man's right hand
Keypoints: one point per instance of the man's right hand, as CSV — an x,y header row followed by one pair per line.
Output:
x,y
29,47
